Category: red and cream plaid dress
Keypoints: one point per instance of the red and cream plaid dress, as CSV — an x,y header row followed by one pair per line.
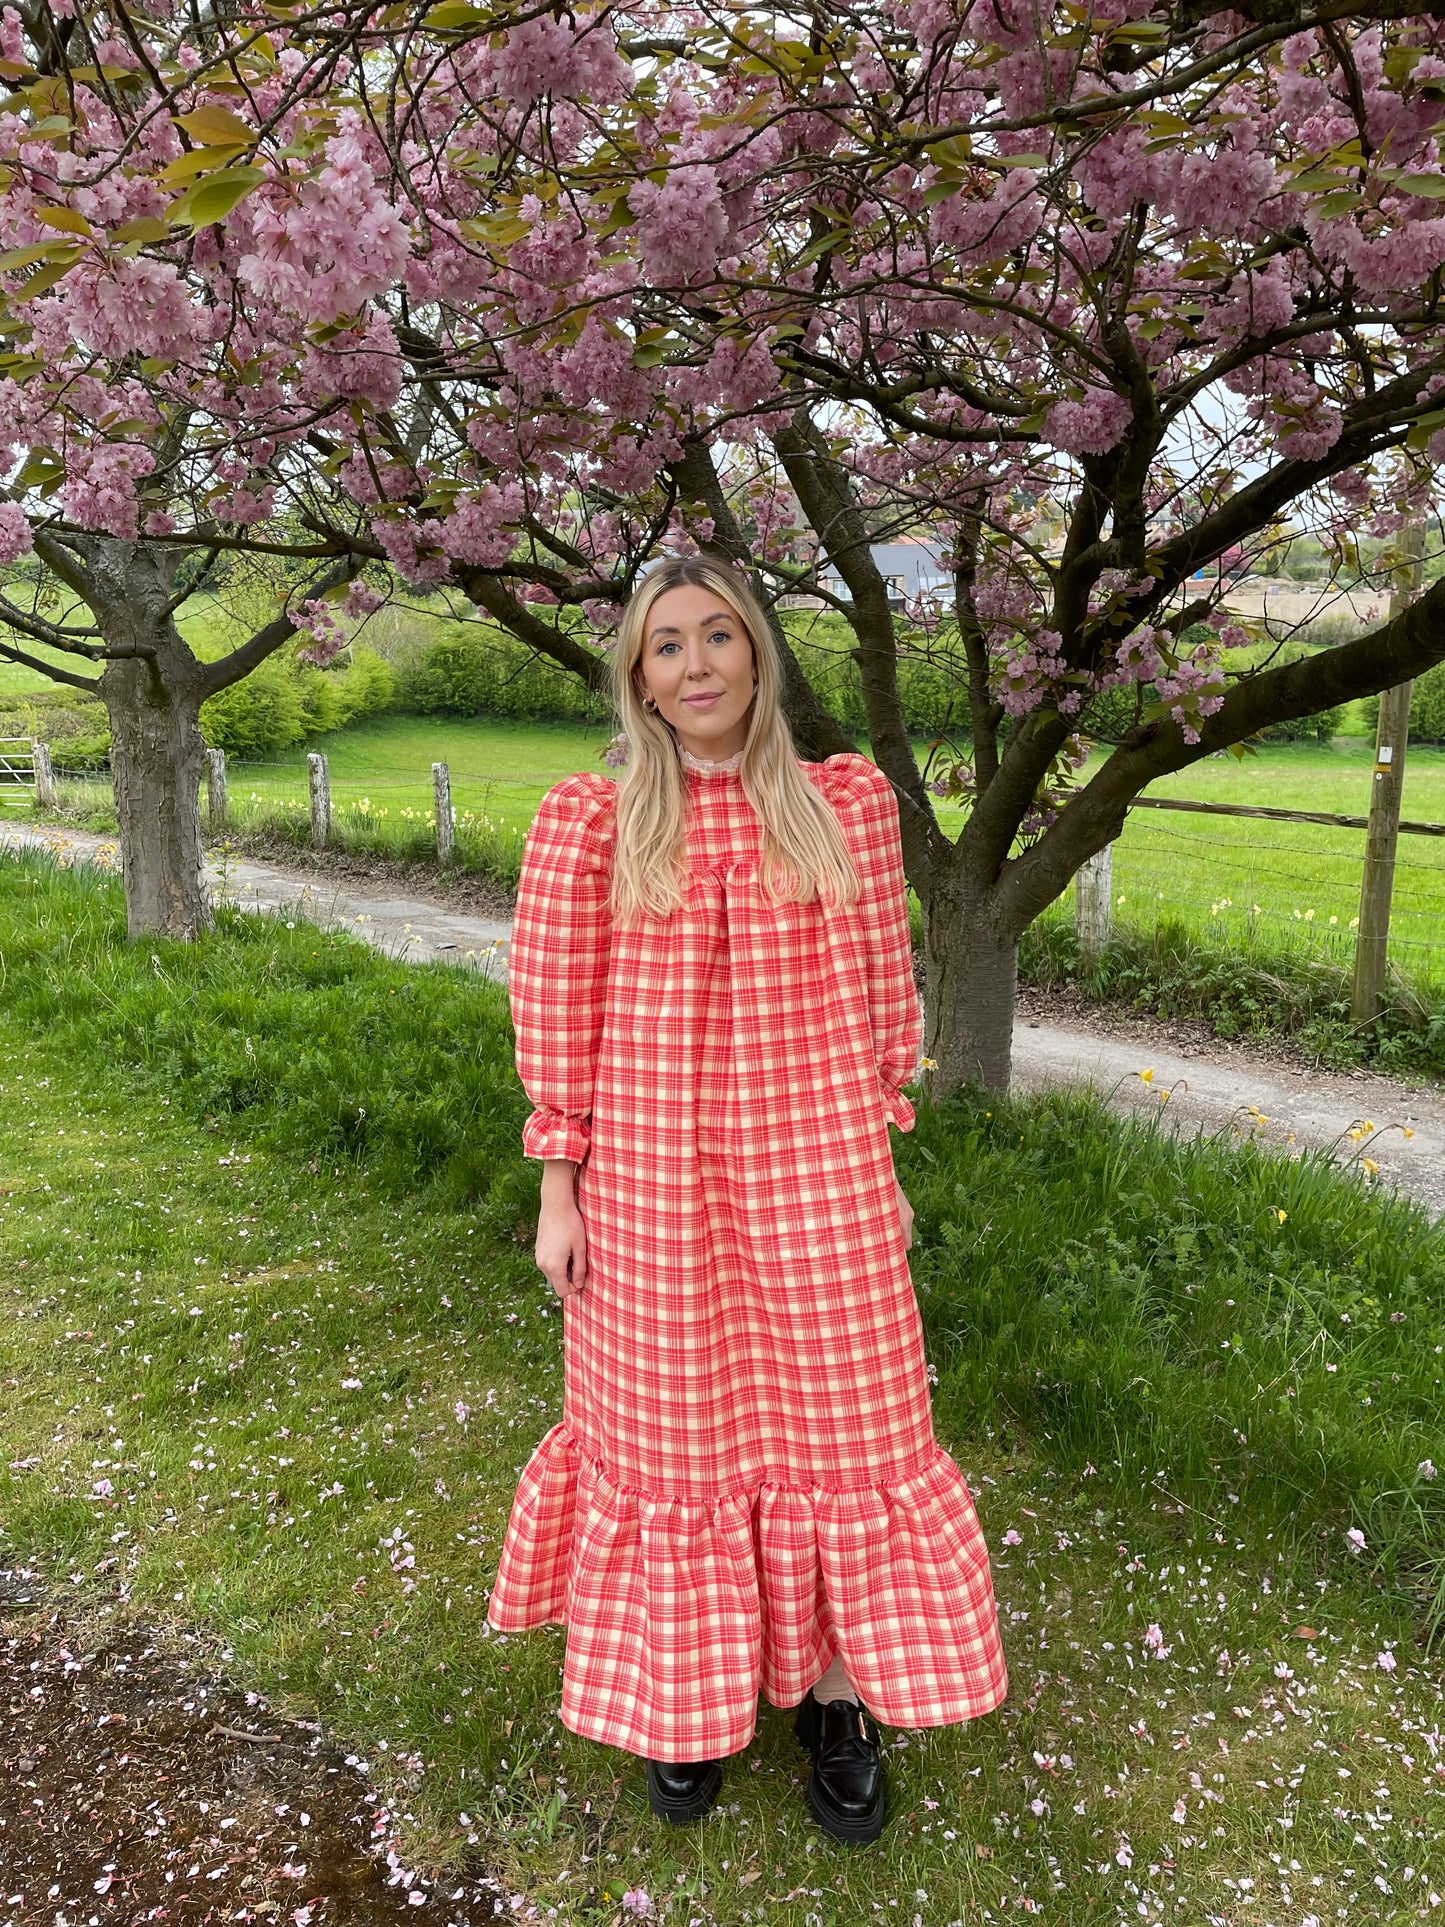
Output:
x,y
745,1479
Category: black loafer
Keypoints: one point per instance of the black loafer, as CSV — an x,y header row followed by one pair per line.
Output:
x,y
685,1792
845,1788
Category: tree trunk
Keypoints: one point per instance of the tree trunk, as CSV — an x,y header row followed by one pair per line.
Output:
x,y
970,984
152,687
158,762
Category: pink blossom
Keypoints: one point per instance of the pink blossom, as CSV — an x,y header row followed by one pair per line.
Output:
x,y
99,492
326,246
681,225
318,619
140,306
1090,426
363,364
16,538
989,227
482,528
545,56
362,600
1386,1662
1356,1539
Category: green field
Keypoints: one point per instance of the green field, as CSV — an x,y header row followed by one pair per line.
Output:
x,y
1293,886
1244,883
277,1349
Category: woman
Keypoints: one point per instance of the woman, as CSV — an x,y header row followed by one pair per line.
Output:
x,y
712,986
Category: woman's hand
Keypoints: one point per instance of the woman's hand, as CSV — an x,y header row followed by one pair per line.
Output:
x,y
561,1234
905,1212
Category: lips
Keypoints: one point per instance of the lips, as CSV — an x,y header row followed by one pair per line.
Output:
x,y
703,702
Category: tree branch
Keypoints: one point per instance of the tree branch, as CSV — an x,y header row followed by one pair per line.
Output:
x,y
491,593
816,734
10,653
219,675
821,485
1402,648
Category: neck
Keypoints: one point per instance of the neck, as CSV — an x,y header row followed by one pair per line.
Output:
x,y
708,762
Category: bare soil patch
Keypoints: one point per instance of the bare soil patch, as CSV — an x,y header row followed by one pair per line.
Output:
x,y
138,1784
453,890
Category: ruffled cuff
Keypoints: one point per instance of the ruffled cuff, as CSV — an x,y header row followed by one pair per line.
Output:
x,y
553,1134
900,1109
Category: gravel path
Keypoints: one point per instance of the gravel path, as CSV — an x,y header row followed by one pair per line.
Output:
x,y
1058,1040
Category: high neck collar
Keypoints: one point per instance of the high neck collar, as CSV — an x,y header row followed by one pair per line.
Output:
x,y
729,765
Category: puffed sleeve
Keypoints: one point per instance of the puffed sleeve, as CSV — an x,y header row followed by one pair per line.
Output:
x,y
868,808
557,975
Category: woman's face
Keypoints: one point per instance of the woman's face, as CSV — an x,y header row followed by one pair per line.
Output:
x,y
697,665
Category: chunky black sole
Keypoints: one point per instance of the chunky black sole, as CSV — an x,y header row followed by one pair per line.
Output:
x,y
853,1829
668,1807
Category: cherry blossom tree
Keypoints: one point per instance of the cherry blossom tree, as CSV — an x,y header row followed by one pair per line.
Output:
x,y
1097,296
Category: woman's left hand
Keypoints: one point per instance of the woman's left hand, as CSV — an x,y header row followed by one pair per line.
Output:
x,y
905,1212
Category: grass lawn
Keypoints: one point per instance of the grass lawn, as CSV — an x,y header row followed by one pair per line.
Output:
x,y
278,1349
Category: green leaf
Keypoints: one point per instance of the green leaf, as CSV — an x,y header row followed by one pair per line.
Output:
x,y
1312,181
1430,187
42,468
1334,205
621,216
1021,160
938,191
217,126
1425,429
200,160
47,277
649,354
956,151
69,219
145,227
453,14
213,197
825,244
27,256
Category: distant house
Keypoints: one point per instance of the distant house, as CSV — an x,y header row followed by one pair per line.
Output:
x,y
912,569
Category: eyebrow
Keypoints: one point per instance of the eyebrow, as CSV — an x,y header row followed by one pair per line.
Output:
x,y
669,629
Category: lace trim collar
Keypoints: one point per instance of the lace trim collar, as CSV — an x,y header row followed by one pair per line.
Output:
x,y
706,768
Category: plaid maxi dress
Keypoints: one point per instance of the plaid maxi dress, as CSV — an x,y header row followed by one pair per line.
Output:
x,y
745,1478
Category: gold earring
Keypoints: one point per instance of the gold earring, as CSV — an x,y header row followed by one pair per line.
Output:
x,y
649,702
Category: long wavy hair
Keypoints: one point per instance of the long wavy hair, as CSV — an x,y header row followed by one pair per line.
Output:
x,y
803,853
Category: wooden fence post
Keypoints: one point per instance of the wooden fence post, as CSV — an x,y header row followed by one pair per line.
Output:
x,y
216,799
441,783
320,800
1094,903
45,797
1377,884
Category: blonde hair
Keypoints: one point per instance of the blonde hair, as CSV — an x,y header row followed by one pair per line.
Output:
x,y
803,851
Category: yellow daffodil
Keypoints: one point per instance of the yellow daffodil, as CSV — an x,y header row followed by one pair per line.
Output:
x,y
1280,1215
1369,1165
1145,1077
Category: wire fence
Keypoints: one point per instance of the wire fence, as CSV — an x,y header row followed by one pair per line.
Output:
x,y
1252,883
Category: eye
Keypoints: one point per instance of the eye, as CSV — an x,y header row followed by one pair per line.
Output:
x,y
726,635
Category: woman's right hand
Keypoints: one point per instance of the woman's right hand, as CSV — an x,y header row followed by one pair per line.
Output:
x,y
561,1234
